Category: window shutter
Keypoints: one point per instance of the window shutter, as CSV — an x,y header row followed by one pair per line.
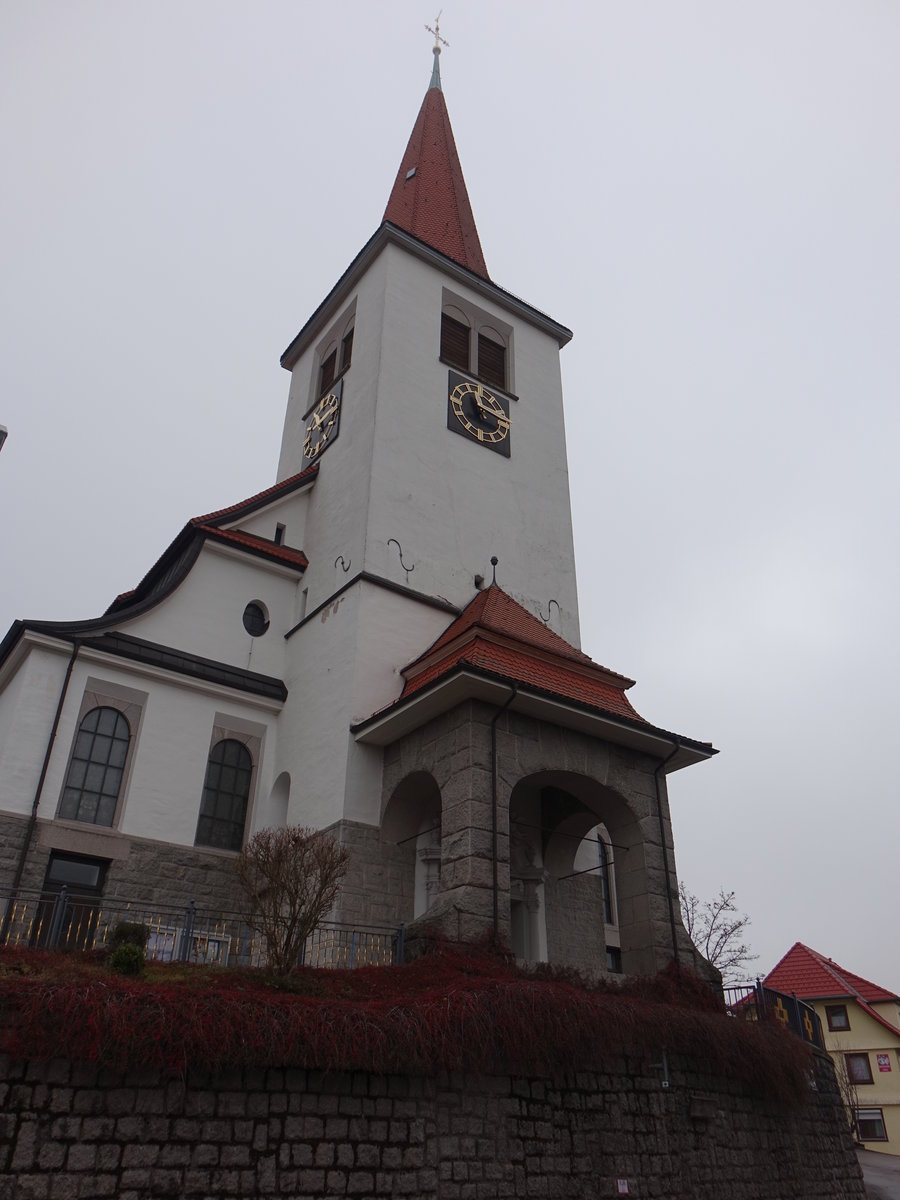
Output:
x,y
346,350
491,361
454,342
328,371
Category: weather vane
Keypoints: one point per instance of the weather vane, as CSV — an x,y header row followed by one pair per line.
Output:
x,y
438,40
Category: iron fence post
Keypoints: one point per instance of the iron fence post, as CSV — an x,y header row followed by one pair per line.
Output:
x,y
56,921
187,934
400,934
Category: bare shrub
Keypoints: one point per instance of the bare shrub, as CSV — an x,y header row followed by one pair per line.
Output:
x,y
291,877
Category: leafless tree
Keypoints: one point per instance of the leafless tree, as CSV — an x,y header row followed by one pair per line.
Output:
x,y
291,877
847,1087
717,929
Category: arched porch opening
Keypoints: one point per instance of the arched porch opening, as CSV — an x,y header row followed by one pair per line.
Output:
x,y
411,836
576,852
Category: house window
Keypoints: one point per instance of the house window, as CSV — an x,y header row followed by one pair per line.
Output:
x,y
870,1123
837,1016
858,1068
94,778
614,960
226,791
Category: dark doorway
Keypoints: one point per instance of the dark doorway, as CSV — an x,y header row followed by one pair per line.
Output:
x,y
70,902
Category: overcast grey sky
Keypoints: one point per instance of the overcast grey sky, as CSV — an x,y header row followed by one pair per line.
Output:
x,y
707,193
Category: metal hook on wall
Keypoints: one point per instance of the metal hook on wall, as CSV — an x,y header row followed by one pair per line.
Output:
x,y
345,567
546,619
400,552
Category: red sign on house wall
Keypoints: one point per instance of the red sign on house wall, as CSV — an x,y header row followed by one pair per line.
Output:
x,y
884,1062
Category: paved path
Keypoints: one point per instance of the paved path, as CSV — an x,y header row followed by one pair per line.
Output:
x,y
881,1173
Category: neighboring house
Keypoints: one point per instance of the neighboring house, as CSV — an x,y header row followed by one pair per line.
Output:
x,y
861,1024
344,649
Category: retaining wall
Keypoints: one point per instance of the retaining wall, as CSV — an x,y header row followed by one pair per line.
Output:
x,y
72,1132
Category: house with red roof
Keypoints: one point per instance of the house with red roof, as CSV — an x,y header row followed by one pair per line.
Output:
x,y
383,644
861,1025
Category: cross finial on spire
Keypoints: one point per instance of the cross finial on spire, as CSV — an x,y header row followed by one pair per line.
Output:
x,y
438,40
436,51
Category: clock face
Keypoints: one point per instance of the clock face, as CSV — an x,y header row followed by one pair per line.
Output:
x,y
475,412
323,423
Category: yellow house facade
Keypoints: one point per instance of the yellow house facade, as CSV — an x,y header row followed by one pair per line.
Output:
x,y
861,1024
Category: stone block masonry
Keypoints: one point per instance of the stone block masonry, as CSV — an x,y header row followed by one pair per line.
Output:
x,y
73,1132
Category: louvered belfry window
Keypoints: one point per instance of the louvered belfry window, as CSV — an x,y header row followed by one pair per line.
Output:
x,y
454,342
346,350
328,372
491,361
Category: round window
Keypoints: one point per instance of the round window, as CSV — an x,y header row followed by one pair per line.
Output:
x,y
256,619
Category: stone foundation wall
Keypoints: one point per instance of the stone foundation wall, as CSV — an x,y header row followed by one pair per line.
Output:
x,y
70,1132
575,929
155,874
379,885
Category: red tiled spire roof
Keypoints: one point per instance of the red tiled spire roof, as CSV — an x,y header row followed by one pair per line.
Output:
x,y
429,197
496,634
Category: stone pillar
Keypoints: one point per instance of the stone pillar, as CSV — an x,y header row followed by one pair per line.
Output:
x,y
463,911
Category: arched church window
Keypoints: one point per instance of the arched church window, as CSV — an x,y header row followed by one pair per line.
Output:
x,y
94,778
226,792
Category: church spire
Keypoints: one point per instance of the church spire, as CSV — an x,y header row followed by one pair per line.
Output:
x,y
438,42
429,197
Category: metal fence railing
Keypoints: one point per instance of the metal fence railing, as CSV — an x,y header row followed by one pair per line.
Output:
x,y
66,921
756,1002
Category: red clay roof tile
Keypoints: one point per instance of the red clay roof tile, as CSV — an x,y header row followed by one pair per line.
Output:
x,y
496,610
812,976
260,499
250,541
429,197
494,633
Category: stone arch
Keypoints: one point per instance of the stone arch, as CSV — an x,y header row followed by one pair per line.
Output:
x,y
411,827
556,810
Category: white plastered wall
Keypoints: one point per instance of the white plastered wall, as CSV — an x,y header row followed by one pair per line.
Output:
x,y
27,707
204,615
171,744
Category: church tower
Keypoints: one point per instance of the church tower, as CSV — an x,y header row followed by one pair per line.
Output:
x,y
430,400
383,644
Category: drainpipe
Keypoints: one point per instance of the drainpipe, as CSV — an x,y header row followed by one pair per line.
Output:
x,y
20,868
494,819
665,853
